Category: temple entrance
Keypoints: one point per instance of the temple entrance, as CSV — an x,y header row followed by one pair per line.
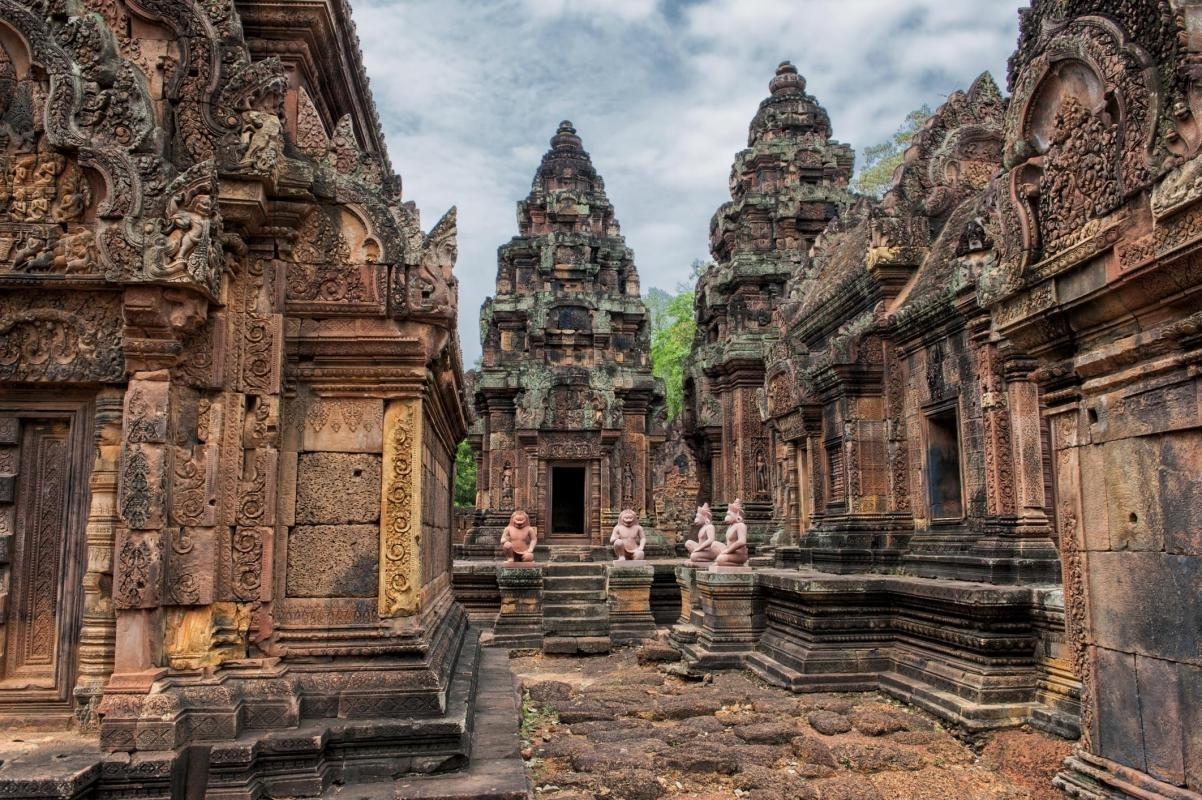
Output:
x,y
569,503
41,513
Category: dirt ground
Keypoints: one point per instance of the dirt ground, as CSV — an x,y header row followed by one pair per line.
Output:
x,y
608,726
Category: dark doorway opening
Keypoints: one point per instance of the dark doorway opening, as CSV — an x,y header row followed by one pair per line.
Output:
x,y
946,495
567,501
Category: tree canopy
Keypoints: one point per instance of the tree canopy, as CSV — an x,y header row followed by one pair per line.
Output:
x,y
465,476
880,160
672,327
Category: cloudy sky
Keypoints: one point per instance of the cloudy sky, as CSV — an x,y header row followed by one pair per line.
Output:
x,y
661,91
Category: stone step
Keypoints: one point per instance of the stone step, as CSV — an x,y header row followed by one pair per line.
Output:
x,y
575,596
594,582
575,630
553,569
575,591
575,612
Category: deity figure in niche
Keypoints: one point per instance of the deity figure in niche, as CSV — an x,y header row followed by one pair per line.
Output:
x,y
507,485
519,538
628,539
734,552
761,473
705,549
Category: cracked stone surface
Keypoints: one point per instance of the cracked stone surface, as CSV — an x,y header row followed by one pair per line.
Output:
x,y
614,726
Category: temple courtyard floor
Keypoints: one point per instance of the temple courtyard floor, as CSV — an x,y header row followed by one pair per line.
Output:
x,y
622,726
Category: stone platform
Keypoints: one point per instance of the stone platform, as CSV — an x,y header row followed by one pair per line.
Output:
x,y
316,757
978,656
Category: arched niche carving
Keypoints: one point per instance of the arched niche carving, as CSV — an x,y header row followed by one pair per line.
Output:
x,y
1080,136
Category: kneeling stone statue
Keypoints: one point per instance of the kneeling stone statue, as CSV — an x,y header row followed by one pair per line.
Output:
x,y
519,538
628,539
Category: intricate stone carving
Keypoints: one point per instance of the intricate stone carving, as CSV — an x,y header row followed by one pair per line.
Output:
x,y
434,289
400,514
185,245
60,337
247,563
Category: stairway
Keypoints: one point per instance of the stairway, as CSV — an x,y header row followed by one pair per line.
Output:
x,y
575,607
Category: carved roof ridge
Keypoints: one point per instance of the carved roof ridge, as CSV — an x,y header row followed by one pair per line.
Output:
x,y
343,13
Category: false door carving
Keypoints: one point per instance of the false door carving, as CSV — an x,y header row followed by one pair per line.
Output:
x,y
38,466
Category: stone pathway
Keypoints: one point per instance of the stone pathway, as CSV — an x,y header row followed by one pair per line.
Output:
x,y
608,726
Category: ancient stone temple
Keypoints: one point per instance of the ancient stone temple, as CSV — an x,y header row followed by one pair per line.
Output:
x,y
914,452
231,395
569,418
569,413
982,392
785,187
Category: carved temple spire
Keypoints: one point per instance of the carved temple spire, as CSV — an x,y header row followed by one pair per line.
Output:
x,y
788,110
566,365
567,195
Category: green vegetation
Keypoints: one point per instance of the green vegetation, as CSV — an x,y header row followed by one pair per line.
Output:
x,y
672,327
465,476
536,718
880,160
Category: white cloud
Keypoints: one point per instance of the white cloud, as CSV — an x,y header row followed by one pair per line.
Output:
x,y
661,93
628,10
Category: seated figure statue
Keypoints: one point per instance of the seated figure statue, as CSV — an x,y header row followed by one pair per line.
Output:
x,y
705,549
628,538
734,552
519,539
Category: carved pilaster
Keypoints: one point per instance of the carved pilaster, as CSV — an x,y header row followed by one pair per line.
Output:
x,y
400,509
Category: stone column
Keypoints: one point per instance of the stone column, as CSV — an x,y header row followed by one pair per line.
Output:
x,y
732,618
519,623
1022,549
97,636
630,618
1022,400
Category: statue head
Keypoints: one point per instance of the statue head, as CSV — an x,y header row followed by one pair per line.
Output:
x,y
704,515
518,519
734,511
629,518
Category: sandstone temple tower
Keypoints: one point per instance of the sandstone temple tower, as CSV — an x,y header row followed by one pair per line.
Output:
x,y
569,412
785,187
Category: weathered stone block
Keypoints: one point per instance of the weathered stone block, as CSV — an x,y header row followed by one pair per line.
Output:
x,y
146,406
1160,718
141,486
1132,502
1119,736
1181,492
1190,680
337,488
333,561
1130,593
